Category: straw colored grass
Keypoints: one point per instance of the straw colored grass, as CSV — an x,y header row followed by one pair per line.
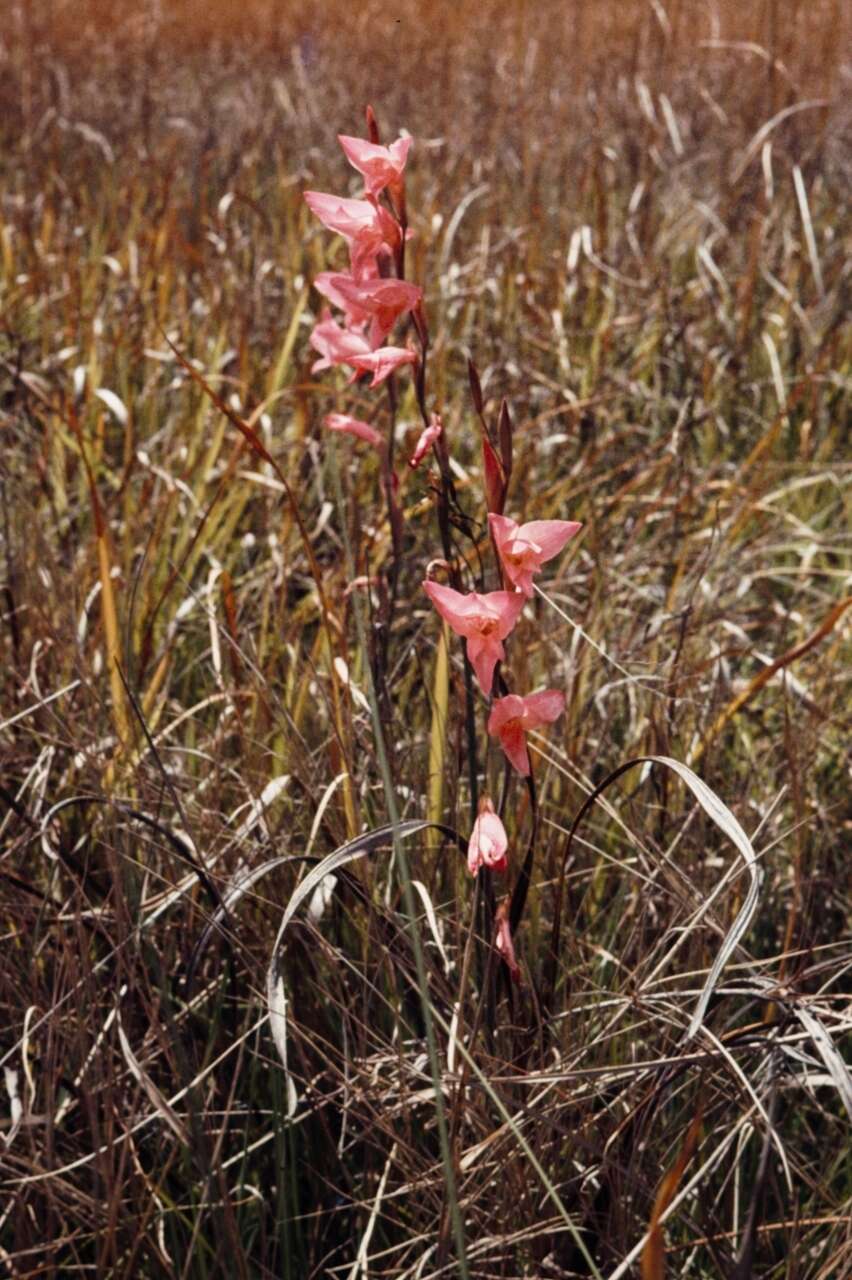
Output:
x,y
634,219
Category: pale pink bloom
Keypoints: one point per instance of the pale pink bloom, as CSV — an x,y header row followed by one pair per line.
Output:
x,y
512,718
368,270
483,620
353,427
488,841
381,301
503,939
381,363
428,436
524,548
380,166
365,225
328,284
335,344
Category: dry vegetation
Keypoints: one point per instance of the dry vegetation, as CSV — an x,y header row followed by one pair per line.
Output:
x,y
632,216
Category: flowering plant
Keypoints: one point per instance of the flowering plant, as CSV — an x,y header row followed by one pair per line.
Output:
x,y
374,297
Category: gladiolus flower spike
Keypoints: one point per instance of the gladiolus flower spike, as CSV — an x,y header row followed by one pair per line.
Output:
x,y
513,717
483,620
524,548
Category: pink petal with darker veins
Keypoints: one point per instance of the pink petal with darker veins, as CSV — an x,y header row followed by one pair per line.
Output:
x,y
549,535
379,166
335,344
523,549
382,301
382,363
484,652
483,620
343,292
459,610
513,717
543,707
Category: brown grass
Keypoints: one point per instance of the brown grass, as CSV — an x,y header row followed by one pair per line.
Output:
x,y
634,219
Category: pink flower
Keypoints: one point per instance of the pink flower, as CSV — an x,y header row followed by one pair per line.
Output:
x,y
381,301
335,345
381,363
353,427
380,166
503,939
483,620
512,718
488,840
328,284
523,549
428,436
365,225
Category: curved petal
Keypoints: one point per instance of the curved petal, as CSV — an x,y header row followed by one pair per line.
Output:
x,y
484,652
507,606
551,535
460,611
345,216
543,707
502,529
504,709
353,427
488,841
514,742
428,436
380,166
521,578
382,362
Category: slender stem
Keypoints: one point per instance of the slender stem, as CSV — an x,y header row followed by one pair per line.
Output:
x,y
401,862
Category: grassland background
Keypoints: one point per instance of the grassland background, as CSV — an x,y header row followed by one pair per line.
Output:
x,y
634,218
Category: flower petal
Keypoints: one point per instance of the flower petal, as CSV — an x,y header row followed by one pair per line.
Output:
x,y
428,436
505,709
488,840
550,535
380,166
502,528
543,707
353,427
459,610
513,740
508,606
484,652
382,362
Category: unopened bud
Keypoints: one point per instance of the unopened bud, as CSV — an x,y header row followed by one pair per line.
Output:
x,y
495,480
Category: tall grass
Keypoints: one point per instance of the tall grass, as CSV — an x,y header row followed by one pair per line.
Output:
x,y
634,219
